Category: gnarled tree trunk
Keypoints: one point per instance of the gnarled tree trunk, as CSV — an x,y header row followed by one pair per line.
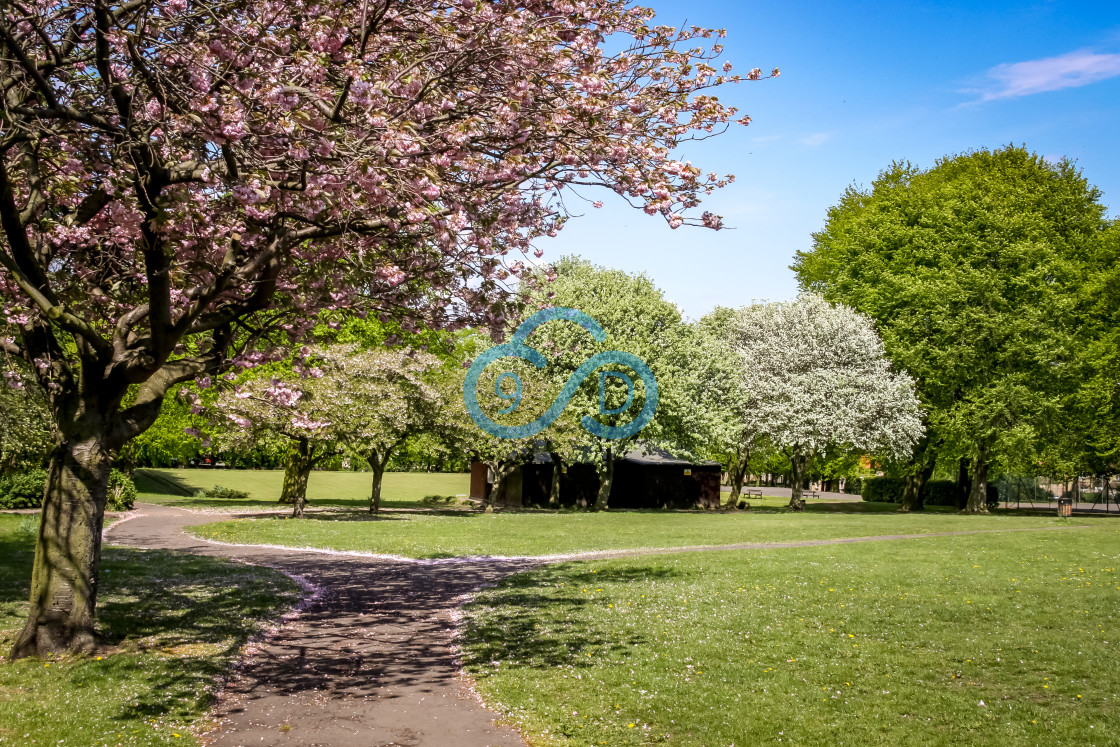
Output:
x,y
67,555
916,478
297,471
501,470
964,483
913,485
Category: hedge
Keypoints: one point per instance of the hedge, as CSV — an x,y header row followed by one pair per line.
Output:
x,y
934,493
882,489
25,490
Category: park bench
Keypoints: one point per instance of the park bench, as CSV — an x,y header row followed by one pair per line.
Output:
x,y
811,494
748,492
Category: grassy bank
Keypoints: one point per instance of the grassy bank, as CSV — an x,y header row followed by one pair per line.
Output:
x,y
982,640
339,489
474,533
171,626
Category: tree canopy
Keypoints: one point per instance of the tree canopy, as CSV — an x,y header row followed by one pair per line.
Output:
x,y
972,271
816,376
179,181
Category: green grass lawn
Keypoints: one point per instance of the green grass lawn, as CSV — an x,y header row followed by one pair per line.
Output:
x,y
983,640
539,533
171,626
346,489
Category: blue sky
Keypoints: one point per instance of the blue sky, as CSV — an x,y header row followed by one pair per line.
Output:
x,y
863,84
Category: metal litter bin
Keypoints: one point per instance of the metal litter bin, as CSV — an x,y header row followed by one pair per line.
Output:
x,y
1065,507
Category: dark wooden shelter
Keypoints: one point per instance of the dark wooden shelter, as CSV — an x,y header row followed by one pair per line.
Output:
x,y
646,477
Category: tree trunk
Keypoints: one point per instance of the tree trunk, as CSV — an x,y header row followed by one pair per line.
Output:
x,y
797,461
736,473
606,479
554,488
978,494
378,468
67,555
921,469
297,471
912,498
501,470
963,484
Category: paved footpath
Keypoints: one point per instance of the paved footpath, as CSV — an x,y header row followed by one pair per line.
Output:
x,y
369,661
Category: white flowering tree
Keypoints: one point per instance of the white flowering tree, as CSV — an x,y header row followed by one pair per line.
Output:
x,y
724,400
377,399
817,376
285,408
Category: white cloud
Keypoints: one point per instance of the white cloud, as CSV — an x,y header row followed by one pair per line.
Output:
x,y
1049,74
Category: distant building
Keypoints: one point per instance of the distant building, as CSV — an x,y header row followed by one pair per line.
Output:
x,y
646,477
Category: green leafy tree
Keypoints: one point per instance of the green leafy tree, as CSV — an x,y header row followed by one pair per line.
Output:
x,y
971,271
637,319
169,443
1097,401
26,425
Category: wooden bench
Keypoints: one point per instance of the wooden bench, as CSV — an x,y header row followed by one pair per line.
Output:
x,y
810,494
755,492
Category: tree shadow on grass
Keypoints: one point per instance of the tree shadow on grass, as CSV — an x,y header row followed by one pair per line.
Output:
x,y
159,483
168,624
529,622
18,552
360,516
194,612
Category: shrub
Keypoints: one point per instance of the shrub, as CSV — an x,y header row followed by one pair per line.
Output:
x,y
121,493
28,526
882,489
23,490
853,485
435,500
221,493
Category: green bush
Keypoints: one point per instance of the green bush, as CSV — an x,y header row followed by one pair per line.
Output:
x,y
853,485
882,489
435,500
28,526
221,493
121,493
23,490
934,493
